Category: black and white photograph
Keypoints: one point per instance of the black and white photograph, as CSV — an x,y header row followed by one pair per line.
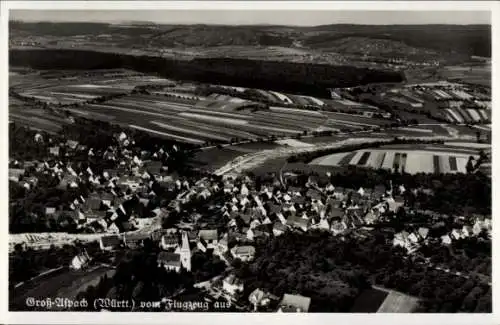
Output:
x,y
249,160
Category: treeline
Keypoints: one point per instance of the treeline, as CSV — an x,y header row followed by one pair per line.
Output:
x,y
307,157
333,272
299,78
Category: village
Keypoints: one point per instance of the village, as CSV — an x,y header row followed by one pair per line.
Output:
x,y
221,215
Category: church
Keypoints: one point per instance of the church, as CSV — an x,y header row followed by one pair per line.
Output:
x,y
180,258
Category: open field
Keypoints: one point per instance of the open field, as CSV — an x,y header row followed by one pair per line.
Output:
x,y
369,301
397,302
174,110
412,159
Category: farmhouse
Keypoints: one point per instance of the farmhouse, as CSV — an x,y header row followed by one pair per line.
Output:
x,y
109,242
209,237
232,285
244,253
170,261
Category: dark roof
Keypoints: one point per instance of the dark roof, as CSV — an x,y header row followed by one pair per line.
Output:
x,y
92,203
169,258
246,218
171,239
112,240
266,228
336,212
279,226
297,221
314,194
298,199
274,208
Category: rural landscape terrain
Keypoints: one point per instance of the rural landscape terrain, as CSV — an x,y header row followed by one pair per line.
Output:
x,y
332,168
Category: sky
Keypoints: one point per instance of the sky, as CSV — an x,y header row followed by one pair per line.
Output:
x,y
250,17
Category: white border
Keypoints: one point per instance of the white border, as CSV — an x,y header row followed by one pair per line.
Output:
x,y
254,319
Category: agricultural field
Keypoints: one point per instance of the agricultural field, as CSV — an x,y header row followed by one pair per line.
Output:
x,y
480,75
456,103
36,118
175,111
397,302
70,87
200,124
410,159
369,301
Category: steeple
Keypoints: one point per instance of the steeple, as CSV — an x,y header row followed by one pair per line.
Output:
x,y
185,252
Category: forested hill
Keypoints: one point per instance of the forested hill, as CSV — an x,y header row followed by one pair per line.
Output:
x,y
300,78
459,39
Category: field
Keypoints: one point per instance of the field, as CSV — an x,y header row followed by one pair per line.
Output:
x,y
412,159
173,110
397,302
369,301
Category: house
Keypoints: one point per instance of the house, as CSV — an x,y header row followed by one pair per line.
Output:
x,y
80,261
294,303
54,151
423,232
445,240
95,215
169,241
413,238
395,203
298,223
467,231
209,236
456,234
50,211
107,199
135,240
313,194
93,202
370,217
15,174
478,227
109,242
279,229
405,240
244,253
170,261
113,228
223,245
72,144
259,298
336,213
232,285
323,224
338,227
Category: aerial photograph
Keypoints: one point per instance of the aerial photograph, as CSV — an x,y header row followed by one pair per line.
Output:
x,y
249,161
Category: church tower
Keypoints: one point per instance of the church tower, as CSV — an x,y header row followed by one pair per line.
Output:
x,y
185,252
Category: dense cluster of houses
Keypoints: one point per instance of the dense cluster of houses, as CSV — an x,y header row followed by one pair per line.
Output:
x,y
132,177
